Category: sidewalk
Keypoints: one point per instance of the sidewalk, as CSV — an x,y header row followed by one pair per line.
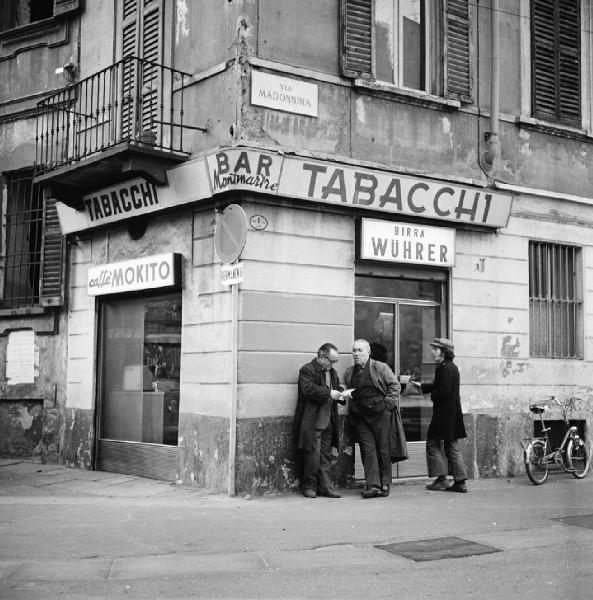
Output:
x,y
68,530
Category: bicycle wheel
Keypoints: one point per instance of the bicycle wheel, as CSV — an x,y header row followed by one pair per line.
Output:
x,y
578,458
537,469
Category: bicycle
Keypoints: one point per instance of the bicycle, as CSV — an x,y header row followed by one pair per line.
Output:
x,y
573,454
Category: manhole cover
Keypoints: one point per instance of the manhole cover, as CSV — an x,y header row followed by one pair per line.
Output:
x,y
579,520
437,549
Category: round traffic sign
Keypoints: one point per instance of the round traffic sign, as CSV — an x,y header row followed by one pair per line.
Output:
x,y
230,234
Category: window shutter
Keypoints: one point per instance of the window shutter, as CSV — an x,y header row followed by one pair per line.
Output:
x,y
556,69
569,67
543,57
129,49
51,289
62,7
458,51
141,37
151,51
357,38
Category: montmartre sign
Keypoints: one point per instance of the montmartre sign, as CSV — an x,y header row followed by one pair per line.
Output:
x,y
322,182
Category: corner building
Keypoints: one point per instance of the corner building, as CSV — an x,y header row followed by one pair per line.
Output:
x,y
399,181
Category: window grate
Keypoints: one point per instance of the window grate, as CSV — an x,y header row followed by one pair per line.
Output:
x,y
22,247
555,304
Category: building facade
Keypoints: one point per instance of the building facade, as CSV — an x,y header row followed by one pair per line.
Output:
x,y
238,182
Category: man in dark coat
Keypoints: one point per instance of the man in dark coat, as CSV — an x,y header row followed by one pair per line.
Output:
x,y
373,401
316,421
446,424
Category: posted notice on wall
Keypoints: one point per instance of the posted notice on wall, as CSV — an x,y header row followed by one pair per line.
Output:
x,y
20,357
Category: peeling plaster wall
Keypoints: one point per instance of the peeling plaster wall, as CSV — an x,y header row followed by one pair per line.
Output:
x,y
21,428
31,413
302,34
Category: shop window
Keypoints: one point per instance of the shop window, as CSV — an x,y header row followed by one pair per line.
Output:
x,y
555,301
556,60
421,45
31,256
141,370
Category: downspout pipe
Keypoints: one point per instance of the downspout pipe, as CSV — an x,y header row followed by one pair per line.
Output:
x,y
492,139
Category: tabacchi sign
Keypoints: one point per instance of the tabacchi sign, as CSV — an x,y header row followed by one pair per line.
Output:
x,y
150,272
389,192
407,243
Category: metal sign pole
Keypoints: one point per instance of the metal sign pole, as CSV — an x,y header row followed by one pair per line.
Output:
x,y
234,367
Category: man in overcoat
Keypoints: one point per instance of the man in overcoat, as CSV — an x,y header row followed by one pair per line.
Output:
x,y
446,425
370,411
316,421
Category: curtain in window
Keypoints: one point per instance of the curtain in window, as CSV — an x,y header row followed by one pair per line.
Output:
x,y
358,45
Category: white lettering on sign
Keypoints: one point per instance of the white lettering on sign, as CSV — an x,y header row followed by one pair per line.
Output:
x,y
143,273
124,200
378,190
402,242
244,169
230,274
186,183
283,93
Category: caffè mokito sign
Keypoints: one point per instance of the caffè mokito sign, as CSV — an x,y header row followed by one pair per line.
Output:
x,y
149,272
407,243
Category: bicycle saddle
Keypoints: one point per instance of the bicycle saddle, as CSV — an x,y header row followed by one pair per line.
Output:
x,y
538,409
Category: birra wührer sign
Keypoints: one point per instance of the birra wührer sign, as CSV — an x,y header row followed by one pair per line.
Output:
x,y
150,272
407,243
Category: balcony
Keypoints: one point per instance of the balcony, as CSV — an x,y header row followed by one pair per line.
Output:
x,y
124,121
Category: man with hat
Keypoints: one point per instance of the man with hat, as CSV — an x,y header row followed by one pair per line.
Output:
x,y
446,425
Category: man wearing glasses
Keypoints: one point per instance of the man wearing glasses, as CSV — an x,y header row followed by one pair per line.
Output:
x,y
316,421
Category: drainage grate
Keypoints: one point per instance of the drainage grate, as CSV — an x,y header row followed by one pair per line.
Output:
x,y
437,549
578,520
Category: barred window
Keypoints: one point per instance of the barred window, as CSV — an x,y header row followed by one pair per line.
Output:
x,y
555,301
22,241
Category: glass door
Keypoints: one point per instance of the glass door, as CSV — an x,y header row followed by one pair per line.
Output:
x,y
139,385
400,318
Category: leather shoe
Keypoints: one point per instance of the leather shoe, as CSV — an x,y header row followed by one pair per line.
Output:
x,y
329,494
308,493
437,486
385,491
371,493
461,488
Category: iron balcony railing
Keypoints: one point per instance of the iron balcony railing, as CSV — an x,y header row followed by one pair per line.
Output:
x,y
134,100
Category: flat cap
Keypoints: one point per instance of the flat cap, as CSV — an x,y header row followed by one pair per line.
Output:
x,y
443,343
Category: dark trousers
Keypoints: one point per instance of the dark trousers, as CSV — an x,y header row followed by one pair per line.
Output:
x,y
372,433
436,460
317,462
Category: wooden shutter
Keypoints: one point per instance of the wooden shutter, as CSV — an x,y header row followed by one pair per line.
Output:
x,y
357,38
51,289
62,7
555,58
458,50
141,37
130,71
151,51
